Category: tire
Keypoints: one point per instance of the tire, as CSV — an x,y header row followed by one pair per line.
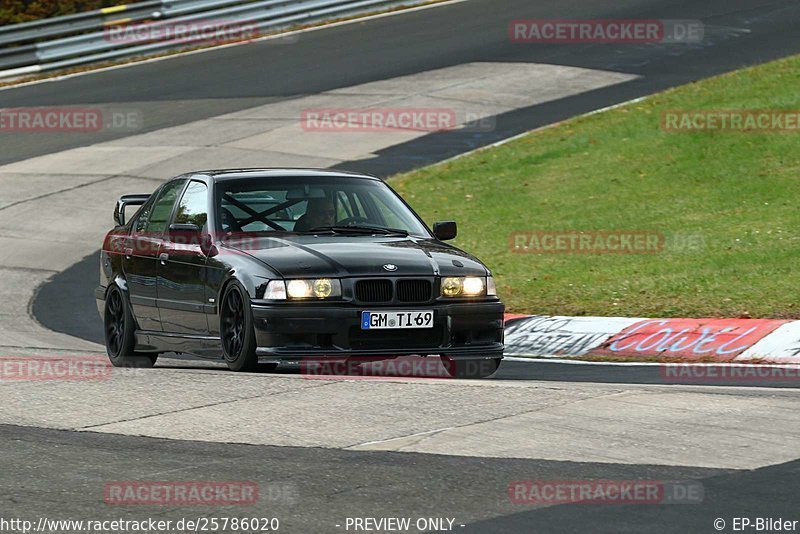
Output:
x,y
236,330
120,332
458,368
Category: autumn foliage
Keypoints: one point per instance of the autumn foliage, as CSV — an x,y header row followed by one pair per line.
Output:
x,y
15,11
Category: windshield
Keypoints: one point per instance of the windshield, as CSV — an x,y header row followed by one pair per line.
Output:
x,y
313,205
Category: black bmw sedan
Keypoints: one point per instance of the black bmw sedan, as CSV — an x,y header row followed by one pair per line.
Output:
x,y
281,265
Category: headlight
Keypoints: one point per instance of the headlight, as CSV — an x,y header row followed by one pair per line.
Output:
x,y
491,288
470,286
298,289
320,288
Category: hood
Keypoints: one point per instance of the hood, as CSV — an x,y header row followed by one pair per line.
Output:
x,y
354,256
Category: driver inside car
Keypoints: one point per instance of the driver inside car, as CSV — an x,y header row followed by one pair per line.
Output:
x,y
320,212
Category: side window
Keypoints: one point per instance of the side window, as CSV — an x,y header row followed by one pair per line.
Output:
x,y
141,222
193,207
162,209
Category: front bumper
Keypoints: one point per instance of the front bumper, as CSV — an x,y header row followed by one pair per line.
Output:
x,y
465,330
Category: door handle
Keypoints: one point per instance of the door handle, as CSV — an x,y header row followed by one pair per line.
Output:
x,y
128,253
163,257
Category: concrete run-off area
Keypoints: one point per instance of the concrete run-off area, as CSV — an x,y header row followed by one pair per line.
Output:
x,y
603,423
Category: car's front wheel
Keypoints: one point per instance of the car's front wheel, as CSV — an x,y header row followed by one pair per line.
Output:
x,y
236,330
458,368
120,333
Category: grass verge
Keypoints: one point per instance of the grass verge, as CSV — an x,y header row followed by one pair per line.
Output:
x,y
726,203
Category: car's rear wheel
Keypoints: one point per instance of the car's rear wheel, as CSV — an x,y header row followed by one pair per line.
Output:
x,y
236,330
120,333
458,368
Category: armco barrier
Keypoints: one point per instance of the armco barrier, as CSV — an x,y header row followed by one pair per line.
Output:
x,y
717,340
84,38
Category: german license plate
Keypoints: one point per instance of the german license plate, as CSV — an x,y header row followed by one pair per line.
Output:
x,y
396,319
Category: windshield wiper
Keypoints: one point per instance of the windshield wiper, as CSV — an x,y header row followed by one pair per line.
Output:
x,y
359,229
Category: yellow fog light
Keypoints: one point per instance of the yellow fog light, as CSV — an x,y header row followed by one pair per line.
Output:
x,y
473,287
452,287
323,288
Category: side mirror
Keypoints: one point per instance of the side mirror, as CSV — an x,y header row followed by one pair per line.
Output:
x,y
445,230
184,234
119,214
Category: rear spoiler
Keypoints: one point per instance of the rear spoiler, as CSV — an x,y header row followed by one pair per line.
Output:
x,y
123,202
